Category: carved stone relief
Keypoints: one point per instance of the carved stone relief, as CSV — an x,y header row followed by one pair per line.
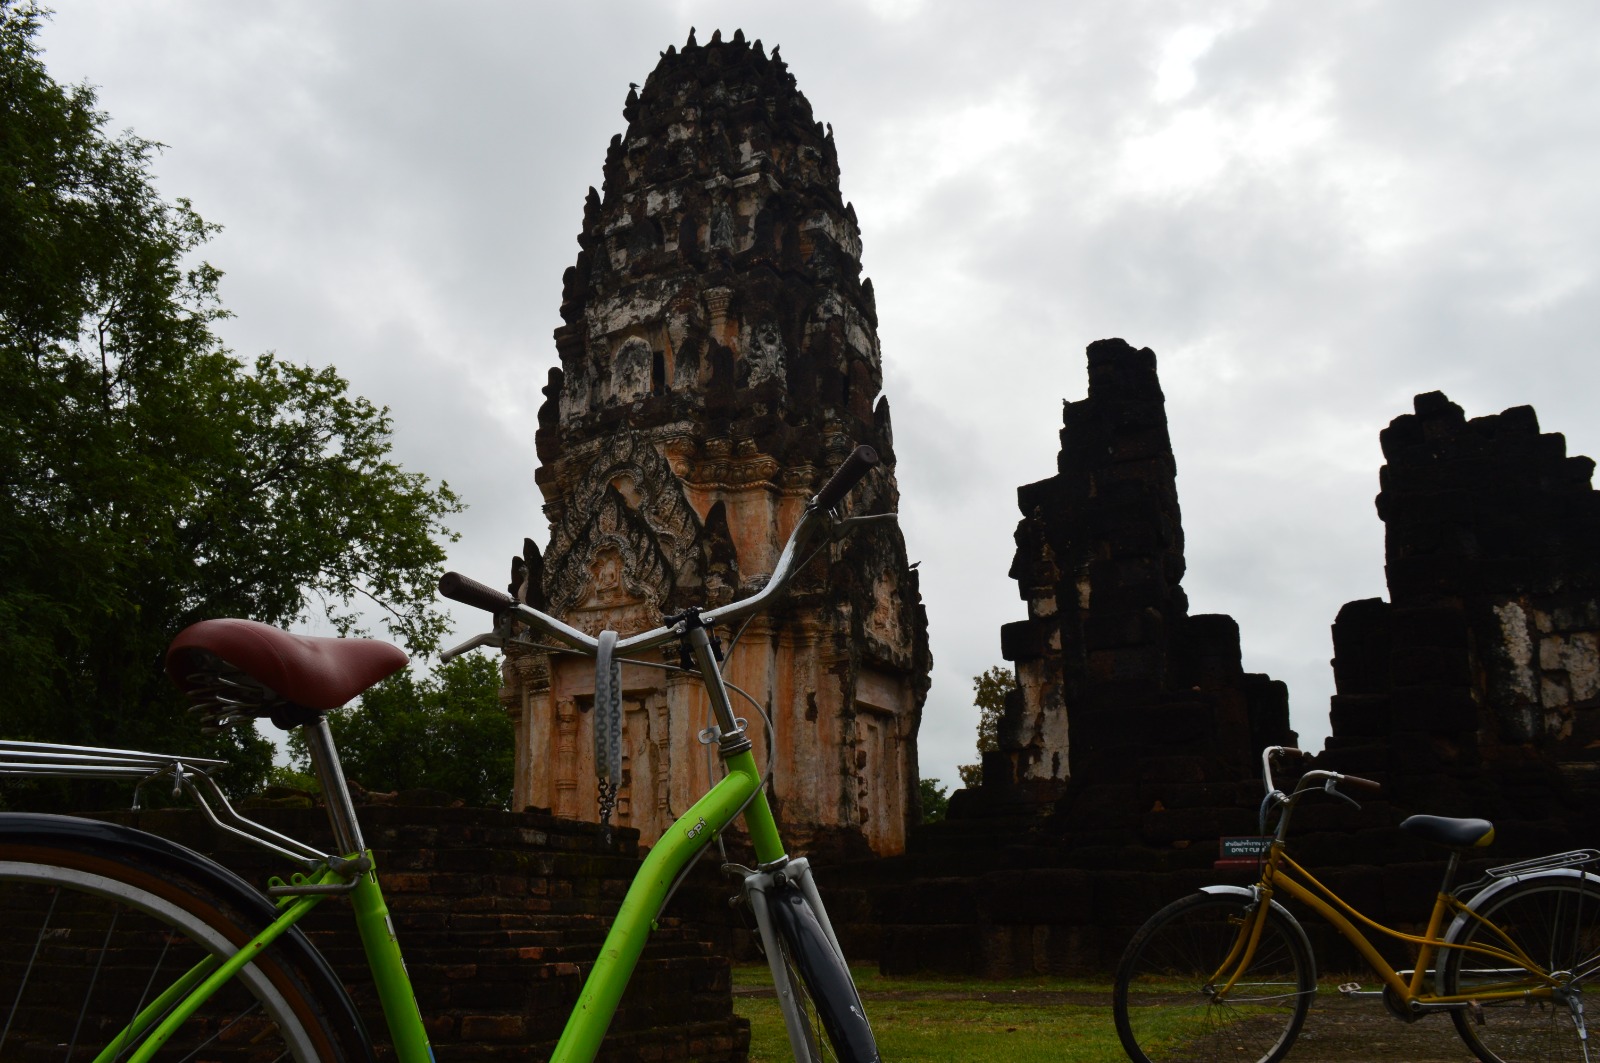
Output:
x,y
630,372
765,355
628,524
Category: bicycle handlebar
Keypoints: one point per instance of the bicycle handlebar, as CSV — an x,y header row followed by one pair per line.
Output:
x,y
857,465
459,588
1316,779
817,513
1310,776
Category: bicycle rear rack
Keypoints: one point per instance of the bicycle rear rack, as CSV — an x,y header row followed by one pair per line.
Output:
x,y
1575,858
1583,859
48,760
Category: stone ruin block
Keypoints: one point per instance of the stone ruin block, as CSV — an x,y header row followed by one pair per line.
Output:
x,y
1475,690
1114,674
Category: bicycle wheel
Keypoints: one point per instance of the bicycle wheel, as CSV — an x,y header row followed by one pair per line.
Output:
x,y
1555,921
1165,1008
836,1024
92,934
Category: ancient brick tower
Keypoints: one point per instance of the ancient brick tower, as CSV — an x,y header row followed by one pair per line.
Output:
x,y
1125,704
719,358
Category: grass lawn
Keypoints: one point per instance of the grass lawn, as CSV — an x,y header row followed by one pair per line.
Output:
x,y
956,1020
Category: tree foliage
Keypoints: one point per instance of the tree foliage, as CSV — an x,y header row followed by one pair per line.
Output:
x,y
935,800
989,692
150,478
444,732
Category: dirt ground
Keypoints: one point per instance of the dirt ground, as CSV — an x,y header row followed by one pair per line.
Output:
x,y
1337,1029
1340,1029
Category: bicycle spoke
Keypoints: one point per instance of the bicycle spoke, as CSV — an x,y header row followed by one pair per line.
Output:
x,y
93,960
94,979
33,958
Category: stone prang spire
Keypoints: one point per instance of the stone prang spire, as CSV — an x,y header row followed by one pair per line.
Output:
x,y
719,358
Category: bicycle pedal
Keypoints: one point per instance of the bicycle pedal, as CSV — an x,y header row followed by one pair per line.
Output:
x,y
1476,1011
1349,988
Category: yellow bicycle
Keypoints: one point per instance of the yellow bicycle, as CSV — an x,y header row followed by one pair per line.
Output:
x,y
1228,973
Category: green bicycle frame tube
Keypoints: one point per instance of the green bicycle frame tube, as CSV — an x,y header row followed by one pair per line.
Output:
x,y
383,955
602,991
219,974
155,1009
389,975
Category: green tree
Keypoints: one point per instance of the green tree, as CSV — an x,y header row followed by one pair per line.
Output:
x,y
445,731
989,692
150,478
935,800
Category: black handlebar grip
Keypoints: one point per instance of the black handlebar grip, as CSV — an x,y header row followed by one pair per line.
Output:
x,y
1366,784
857,465
455,586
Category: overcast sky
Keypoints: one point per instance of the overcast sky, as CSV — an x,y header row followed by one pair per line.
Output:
x,y
1311,211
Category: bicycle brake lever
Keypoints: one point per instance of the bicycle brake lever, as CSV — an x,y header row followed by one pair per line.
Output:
x,y
1330,786
491,638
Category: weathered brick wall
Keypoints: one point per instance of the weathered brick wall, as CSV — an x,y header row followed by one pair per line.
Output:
x,y
500,915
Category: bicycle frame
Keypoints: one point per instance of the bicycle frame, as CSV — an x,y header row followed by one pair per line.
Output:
x,y
1281,874
740,790
740,793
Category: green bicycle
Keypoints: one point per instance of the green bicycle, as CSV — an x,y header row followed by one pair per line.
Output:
x,y
118,945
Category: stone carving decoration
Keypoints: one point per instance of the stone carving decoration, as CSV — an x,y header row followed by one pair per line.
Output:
x,y
766,354
629,508
630,379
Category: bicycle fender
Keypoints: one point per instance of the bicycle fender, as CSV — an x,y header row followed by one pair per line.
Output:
x,y
1245,891
21,828
825,974
1497,887
1294,924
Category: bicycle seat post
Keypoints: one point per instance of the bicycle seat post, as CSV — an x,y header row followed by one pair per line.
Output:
x,y
341,809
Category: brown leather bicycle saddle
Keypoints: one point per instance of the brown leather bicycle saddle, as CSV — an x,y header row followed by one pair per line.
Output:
x,y
1452,833
241,666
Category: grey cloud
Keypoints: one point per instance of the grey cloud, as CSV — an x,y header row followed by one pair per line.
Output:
x,y
402,191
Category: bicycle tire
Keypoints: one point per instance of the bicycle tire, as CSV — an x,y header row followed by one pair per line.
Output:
x,y
99,920
836,1023
1555,920
1163,1010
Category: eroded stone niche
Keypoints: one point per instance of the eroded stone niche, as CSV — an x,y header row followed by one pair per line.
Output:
x,y
719,358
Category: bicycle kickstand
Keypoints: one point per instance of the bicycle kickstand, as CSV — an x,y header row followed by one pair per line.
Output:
x,y
1575,1005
